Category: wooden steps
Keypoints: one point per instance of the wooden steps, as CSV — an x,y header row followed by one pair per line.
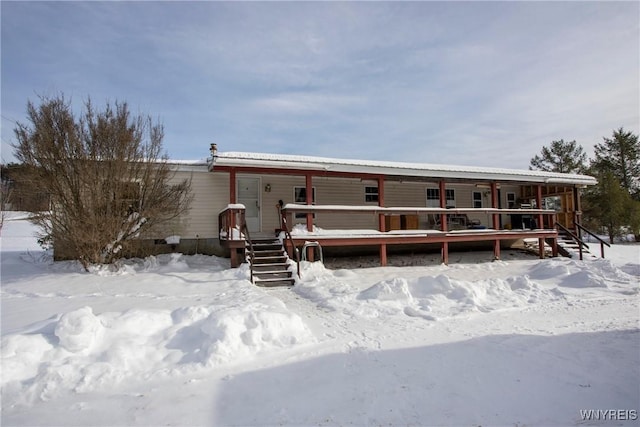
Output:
x,y
269,263
569,248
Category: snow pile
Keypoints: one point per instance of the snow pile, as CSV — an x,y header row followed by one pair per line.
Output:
x,y
82,351
441,296
184,340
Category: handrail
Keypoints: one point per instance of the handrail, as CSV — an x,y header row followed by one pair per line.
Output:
x,y
245,229
287,235
574,237
591,233
298,208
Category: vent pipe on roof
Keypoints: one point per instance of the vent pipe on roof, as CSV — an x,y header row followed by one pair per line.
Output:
x,y
213,149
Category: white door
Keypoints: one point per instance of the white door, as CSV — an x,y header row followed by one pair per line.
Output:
x,y
249,196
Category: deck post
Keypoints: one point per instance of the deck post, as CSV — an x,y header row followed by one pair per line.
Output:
x,y
381,223
383,254
443,222
496,219
578,210
540,221
232,186
310,201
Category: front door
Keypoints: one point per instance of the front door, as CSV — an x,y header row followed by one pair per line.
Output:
x,y
249,196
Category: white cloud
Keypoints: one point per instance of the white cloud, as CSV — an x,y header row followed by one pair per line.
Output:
x,y
460,82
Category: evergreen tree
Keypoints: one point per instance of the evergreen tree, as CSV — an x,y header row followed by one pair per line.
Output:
x,y
621,155
561,156
607,202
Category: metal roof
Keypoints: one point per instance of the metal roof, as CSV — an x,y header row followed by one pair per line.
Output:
x,y
395,169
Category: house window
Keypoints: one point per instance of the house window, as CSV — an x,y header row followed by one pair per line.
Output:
x,y
300,198
451,198
433,198
371,194
477,199
126,196
511,200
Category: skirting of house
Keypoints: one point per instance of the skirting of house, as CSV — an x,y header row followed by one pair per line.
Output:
x,y
146,247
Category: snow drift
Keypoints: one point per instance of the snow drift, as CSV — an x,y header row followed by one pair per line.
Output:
x,y
82,351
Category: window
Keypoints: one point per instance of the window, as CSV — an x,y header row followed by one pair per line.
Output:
x,y
433,198
511,200
126,196
371,194
477,199
451,198
300,197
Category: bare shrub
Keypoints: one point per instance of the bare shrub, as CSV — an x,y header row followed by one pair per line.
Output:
x,y
108,180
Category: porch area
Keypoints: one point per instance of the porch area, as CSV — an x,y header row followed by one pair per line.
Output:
x,y
389,234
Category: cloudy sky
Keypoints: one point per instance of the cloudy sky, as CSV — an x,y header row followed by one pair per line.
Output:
x,y
469,83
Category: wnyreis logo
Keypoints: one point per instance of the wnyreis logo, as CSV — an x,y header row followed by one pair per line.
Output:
x,y
609,414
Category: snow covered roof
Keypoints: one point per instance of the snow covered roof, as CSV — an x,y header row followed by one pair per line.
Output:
x,y
399,169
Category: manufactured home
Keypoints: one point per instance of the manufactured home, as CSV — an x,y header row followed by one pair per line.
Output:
x,y
331,203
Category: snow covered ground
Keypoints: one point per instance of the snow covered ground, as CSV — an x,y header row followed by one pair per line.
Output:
x,y
185,340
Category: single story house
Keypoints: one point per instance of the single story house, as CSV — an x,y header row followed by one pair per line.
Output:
x,y
344,203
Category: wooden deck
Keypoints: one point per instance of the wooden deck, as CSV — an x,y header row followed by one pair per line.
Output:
x,y
444,237
382,238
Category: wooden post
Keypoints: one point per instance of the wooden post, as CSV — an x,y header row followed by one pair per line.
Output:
x,y
443,222
232,186
496,219
554,241
309,191
578,210
310,201
381,224
383,254
540,219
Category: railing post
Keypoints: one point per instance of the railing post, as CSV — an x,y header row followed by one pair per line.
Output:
x,y
444,251
496,219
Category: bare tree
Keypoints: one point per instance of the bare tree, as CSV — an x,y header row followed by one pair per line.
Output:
x,y
5,198
107,178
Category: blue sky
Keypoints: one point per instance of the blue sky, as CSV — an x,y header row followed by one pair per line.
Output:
x,y
469,83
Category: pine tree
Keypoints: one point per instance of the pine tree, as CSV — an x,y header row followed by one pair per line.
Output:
x,y
607,202
561,156
621,155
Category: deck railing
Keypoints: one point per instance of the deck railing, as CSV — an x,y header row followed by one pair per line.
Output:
x,y
539,215
245,230
230,221
289,239
575,238
591,233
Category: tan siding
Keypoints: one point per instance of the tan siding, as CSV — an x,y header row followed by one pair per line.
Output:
x,y
210,195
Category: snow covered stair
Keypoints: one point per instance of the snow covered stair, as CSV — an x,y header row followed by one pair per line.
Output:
x,y
570,249
269,263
